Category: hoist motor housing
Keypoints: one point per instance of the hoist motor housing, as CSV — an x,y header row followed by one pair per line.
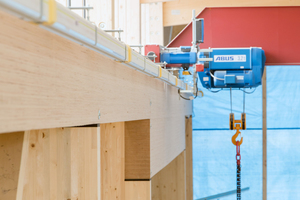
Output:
x,y
233,68
179,57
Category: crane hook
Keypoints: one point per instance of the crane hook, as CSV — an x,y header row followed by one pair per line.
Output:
x,y
233,139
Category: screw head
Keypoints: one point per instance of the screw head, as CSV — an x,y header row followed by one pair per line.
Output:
x,y
99,114
102,25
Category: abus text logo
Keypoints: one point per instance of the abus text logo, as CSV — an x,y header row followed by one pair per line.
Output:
x,y
230,58
225,58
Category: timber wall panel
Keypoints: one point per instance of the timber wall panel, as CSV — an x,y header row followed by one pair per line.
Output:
x,y
125,153
10,159
169,183
122,139
127,18
103,13
59,164
137,149
166,142
152,23
48,81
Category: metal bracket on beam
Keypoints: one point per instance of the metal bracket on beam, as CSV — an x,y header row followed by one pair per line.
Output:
x,y
115,31
80,7
139,46
85,8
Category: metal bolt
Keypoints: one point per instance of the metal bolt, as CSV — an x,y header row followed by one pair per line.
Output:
x,y
102,25
99,114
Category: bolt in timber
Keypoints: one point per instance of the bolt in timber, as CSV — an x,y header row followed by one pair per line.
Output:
x,y
99,114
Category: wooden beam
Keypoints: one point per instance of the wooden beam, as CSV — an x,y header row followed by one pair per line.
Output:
x,y
59,163
10,159
170,182
189,157
67,81
180,12
112,161
264,134
137,149
48,81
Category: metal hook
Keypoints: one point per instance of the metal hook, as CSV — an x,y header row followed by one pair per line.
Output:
x,y
233,139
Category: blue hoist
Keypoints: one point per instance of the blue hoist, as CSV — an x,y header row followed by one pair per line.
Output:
x,y
217,69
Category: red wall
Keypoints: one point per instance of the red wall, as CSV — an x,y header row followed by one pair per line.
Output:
x,y
275,29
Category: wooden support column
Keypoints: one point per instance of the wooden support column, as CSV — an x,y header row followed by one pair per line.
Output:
x,y
189,157
112,161
59,163
10,158
137,190
264,134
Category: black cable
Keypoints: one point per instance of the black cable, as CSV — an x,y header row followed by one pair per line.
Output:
x,y
248,92
182,96
194,97
237,89
196,88
230,100
214,91
244,102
